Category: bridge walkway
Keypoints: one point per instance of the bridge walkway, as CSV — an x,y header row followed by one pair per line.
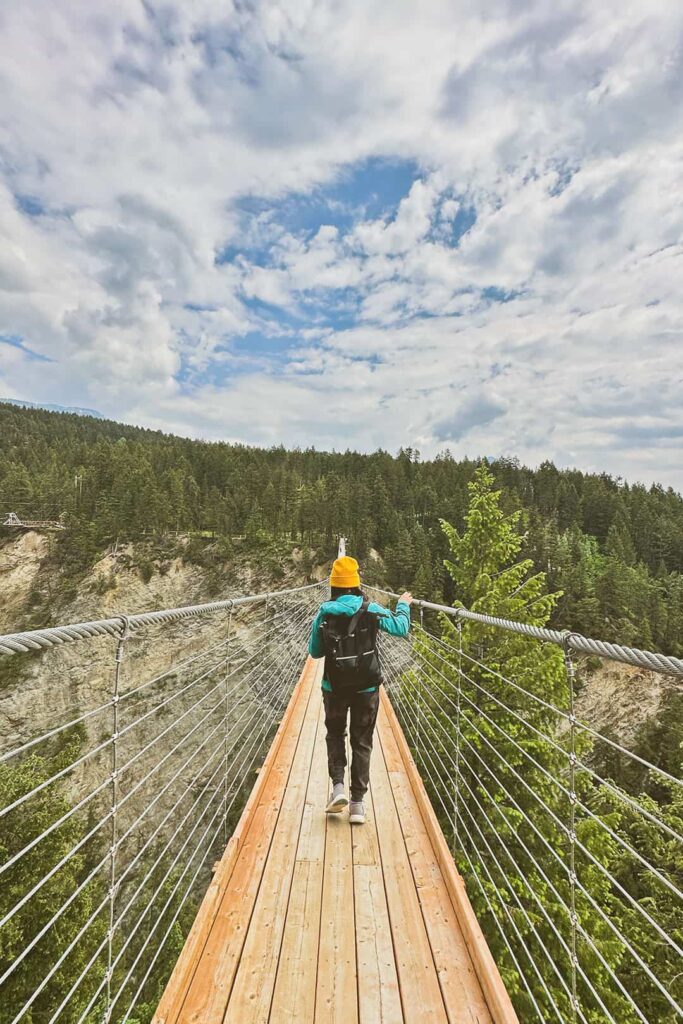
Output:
x,y
310,920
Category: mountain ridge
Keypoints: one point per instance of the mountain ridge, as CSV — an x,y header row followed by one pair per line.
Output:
x,y
74,410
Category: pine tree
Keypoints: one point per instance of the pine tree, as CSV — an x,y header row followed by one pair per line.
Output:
x,y
504,770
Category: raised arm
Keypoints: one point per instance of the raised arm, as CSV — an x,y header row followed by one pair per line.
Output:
x,y
397,623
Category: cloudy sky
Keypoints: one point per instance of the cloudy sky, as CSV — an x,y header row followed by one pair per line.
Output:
x,y
351,223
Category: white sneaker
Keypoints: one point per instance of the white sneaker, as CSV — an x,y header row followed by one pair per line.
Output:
x,y
356,812
338,800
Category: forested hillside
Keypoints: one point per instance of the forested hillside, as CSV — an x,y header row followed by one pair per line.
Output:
x,y
615,549
539,546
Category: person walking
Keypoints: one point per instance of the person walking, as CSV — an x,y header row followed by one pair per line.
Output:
x,y
344,632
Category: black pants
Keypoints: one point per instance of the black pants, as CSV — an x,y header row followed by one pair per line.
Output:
x,y
363,708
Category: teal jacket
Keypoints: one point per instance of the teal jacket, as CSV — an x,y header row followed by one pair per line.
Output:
x,y
396,623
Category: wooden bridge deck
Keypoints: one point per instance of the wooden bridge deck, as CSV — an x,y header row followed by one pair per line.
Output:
x,y
310,920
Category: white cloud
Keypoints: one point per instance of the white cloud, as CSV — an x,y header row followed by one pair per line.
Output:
x,y
136,127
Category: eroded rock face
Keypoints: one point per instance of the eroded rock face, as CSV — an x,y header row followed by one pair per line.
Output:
x,y
20,562
620,698
66,681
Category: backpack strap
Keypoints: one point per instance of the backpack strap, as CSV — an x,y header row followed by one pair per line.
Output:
x,y
356,616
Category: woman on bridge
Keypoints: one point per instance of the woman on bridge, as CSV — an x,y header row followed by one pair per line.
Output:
x,y
345,632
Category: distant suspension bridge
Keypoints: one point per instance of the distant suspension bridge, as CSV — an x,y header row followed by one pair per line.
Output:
x,y
15,521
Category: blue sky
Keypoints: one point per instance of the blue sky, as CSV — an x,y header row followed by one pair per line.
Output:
x,y
351,224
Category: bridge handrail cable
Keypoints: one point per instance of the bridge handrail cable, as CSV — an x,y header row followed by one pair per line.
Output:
x,y
56,636
656,662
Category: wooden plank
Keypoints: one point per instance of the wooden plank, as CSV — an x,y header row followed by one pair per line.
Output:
x,y
336,999
495,993
295,985
460,988
379,1000
210,988
171,1000
419,985
255,979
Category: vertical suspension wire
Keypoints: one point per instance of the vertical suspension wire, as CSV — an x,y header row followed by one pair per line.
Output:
x,y
116,695
458,728
571,832
226,716
420,725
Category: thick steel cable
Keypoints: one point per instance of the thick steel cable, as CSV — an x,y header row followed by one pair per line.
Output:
x,y
279,630
602,913
551,707
56,636
157,707
576,641
236,638
106,706
90,753
283,658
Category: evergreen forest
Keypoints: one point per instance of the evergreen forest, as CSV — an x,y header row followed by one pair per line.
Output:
x,y
614,549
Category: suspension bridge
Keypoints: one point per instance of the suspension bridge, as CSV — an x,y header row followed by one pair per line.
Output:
x,y
165,856
11,519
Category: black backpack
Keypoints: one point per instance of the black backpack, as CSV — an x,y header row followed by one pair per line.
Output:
x,y
351,660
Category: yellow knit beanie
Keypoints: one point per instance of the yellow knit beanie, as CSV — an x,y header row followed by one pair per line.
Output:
x,y
345,573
